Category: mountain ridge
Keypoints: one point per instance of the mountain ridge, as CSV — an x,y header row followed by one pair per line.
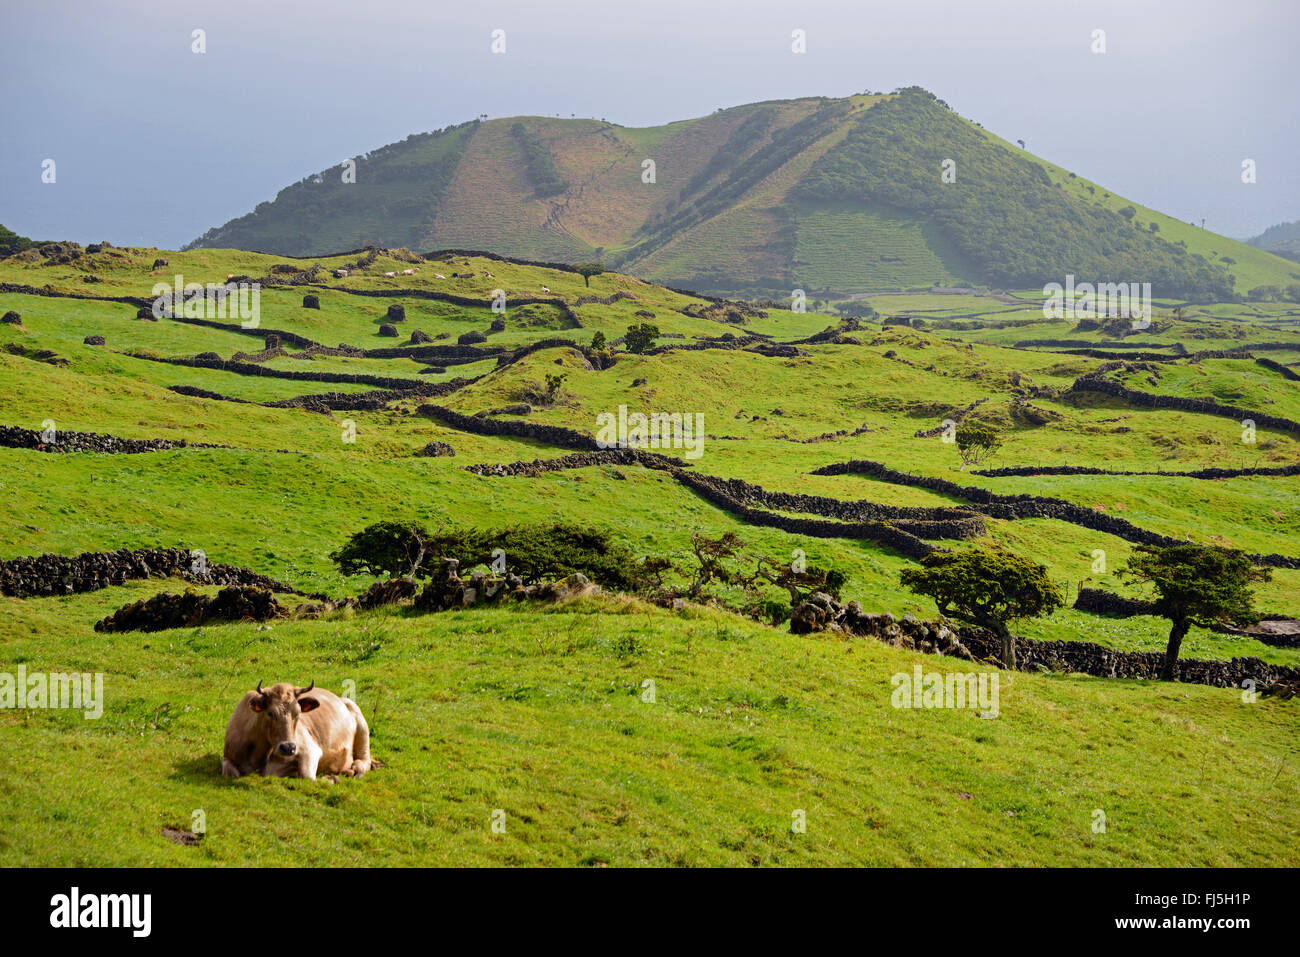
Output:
x,y
836,196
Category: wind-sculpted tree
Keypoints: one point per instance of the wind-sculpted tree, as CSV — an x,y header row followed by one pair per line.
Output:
x,y
385,548
987,587
724,560
1196,585
975,443
587,270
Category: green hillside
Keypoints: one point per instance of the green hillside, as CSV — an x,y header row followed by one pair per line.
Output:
x,y
758,199
537,709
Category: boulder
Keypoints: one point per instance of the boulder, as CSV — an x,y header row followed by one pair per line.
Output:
x,y
470,338
311,302
436,450
396,313
12,318
388,330
93,340
418,337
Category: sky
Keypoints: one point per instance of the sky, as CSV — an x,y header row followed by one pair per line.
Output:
x,y
154,143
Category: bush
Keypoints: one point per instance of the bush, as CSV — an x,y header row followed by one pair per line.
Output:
x,y
641,337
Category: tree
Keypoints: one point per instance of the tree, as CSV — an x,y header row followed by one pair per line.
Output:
x,y
988,587
1128,212
587,270
1196,585
858,309
975,443
384,548
553,383
598,341
641,337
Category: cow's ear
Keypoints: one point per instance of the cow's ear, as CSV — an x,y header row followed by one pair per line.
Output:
x,y
308,704
258,703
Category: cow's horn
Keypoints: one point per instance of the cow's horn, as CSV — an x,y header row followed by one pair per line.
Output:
x,y
259,686
307,689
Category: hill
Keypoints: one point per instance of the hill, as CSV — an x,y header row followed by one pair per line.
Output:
x,y
834,196
538,709
1281,240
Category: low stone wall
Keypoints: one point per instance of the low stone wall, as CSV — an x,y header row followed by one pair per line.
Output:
x,y
298,375
1014,507
16,438
165,610
1278,367
551,434
365,401
821,612
50,574
1101,602
1206,473
894,527
1095,383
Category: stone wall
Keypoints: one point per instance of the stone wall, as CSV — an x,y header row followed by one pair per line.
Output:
x,y
1027,506
50,574
821,612
65,441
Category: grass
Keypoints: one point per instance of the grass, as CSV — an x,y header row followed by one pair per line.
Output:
x,y
541,716
537,711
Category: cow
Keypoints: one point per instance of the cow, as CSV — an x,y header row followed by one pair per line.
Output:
x,y
284,731
408,272
389,275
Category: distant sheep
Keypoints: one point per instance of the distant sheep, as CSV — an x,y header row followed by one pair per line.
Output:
x,y
439,275
390,275
408,272
545,289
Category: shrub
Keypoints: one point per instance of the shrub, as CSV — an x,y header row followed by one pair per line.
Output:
x,y
988,587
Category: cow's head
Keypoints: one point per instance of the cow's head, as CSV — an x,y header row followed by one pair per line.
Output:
x,y
278,710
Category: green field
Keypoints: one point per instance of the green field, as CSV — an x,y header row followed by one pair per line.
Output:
x,y
537,710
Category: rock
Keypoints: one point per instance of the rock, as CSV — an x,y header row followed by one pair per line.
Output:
x,y
165,610
387,593
12,318
498,325
470,338
436,449
311,302
418,337
637,382
396,313
93,340
388,331
146,312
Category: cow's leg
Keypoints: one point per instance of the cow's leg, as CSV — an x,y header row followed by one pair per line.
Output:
x,y
360,741
308,760
229,769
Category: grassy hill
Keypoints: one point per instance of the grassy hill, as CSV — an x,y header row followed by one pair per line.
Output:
x,y
836,196
537,709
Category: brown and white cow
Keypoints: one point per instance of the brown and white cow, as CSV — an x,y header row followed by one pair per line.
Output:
x,y
284,731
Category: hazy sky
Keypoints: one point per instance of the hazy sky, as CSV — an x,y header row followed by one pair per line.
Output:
x,y
154,143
